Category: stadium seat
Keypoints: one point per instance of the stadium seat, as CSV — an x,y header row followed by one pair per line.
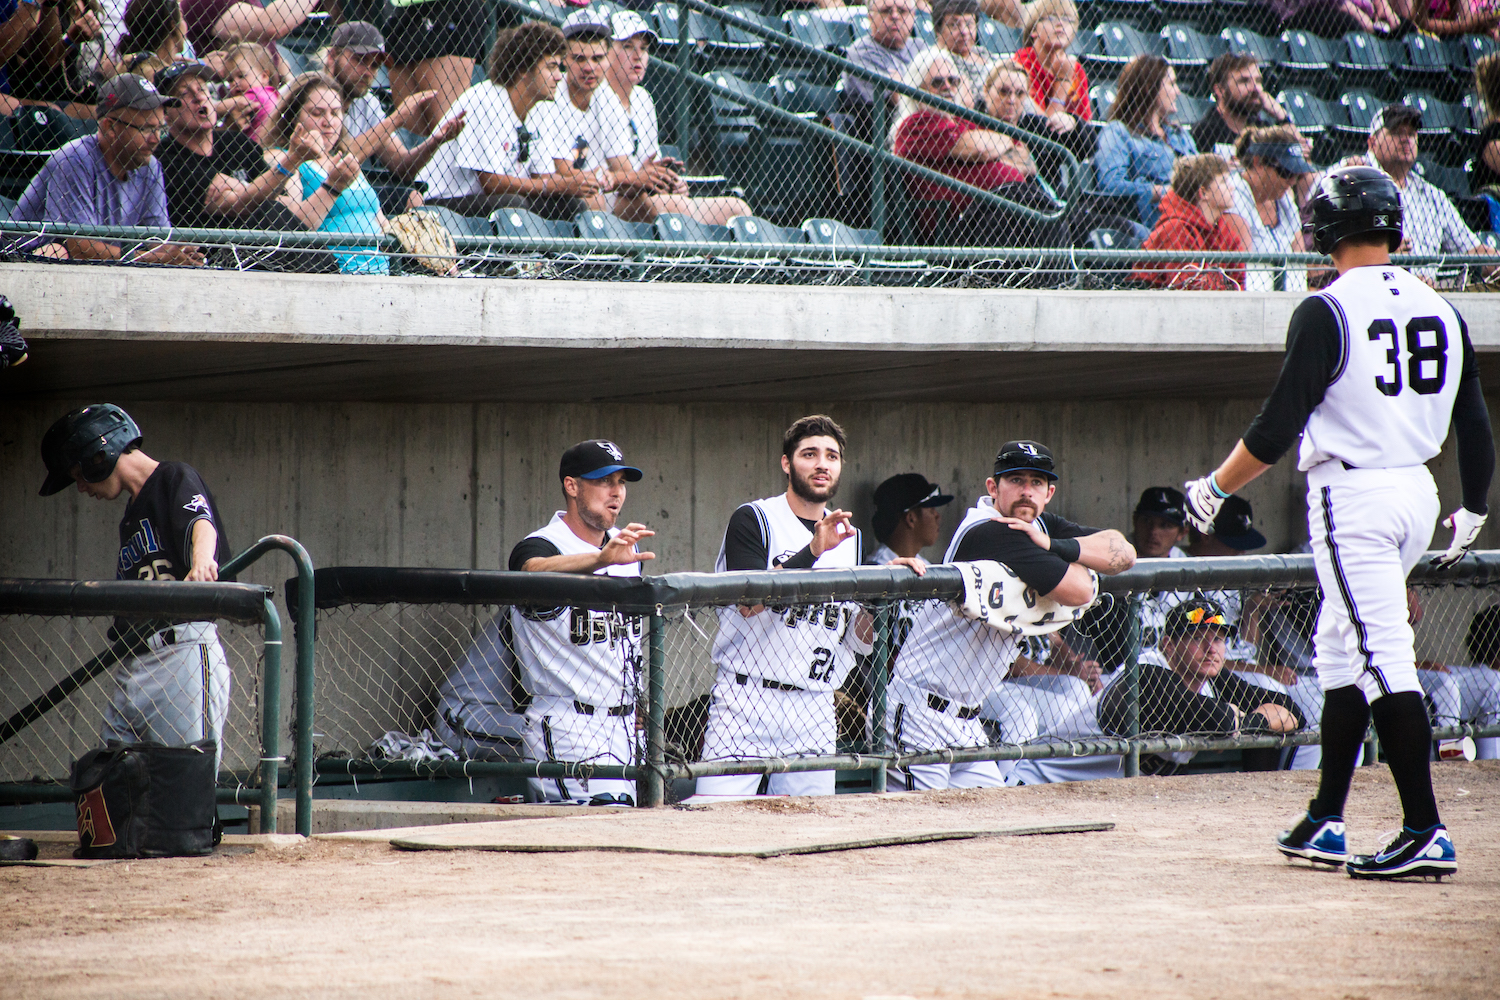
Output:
x,y
743,50
1191,109
1141,14
833,233
520,223
17,168
296,62
1367,62
1112,239
672,227
1119,43
1468,50
830,36
1309,64
1452,181
806,100
1085,43
1102,96
36,126
753,229
1202,15
607,228
1312,115
1360,107
997,37
1489,239
922,28
1432,64
7,206
733,124
1269,51
460,225
1189,52
1445,129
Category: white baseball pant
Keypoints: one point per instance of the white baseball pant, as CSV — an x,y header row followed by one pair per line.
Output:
x,y
747,719
176,693
557,730
916,725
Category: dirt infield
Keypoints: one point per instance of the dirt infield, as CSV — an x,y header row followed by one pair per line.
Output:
x,y
1184,898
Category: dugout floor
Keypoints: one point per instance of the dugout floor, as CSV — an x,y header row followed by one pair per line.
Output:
x,y
1184,897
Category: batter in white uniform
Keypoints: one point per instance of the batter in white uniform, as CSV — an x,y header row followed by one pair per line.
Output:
x,y
1377,367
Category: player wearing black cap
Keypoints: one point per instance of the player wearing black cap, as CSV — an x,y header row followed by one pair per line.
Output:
x,y
1378,367
1158,524
579,667
174,688
950,663
908,514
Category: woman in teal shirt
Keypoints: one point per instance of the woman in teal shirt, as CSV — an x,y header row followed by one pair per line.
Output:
x,y
328,193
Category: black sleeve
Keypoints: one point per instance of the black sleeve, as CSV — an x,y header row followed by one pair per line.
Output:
x,y
531,548
1314,353
744,545
188,502
1059,527
1166,706
998,541
1249,696
1471,427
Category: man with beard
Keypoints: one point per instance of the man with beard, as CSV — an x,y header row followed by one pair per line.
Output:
x,y
778,667
578,668
950,663
1240,102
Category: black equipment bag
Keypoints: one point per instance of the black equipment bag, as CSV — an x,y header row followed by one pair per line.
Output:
x,y
146,800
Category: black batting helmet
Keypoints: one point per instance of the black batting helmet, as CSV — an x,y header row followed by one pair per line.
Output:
x,y
92,438
1352,201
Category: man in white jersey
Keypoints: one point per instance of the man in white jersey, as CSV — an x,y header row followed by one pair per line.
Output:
x,y
1378,366
578,667
777,667
628,57
950,664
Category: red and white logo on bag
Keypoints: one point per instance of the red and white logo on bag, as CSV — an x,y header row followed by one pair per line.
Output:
x,y
94,826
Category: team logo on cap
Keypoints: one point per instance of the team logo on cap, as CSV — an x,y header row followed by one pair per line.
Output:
x,y
1382,220
1028,449
613,452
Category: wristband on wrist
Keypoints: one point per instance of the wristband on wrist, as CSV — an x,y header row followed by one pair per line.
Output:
x,y
1213,484
283,171
1066,549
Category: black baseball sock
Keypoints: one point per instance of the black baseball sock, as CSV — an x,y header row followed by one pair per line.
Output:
x,y
1401,722
1346,715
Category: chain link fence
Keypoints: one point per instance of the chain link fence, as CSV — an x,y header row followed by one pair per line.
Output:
x,y
84,663
775,681
782,142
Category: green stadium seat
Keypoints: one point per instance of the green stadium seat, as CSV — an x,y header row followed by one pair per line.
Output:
x,y
1312,115
1309,64
1191,109
1452,181
7,206
606,228
753,229
1120,42
1102,96
1489,239
1269,51
1112,239
460,225
832,232
1142,14
672,227
1477,115
36,126
922,28
1204,15
804,99
517,222
1367,62
997,37
1189,52
1432,64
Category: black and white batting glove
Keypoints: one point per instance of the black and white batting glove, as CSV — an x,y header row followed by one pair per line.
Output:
x,y
1204,498
1465,524
12,346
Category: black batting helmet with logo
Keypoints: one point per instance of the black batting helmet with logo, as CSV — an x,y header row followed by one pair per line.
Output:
x,y
1353,201
92,438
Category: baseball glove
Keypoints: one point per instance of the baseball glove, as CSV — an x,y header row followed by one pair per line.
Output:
x,y
425,238
995,595
12,344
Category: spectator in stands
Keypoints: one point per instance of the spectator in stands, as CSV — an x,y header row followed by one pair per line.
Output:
x,y
1484,175
1240,102
1431,225
1158,524
628,56
328,193
253,74
154,27
1059,85
433,45
1140,144
354,56
889,48
966,152
109,179
1446,18
1336,18
1192,218
214,24
955,23
40,58
501,161
1193,694
21,20
1264,213
1007,92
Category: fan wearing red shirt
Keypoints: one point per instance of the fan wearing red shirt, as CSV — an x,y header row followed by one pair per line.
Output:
x,y
1059,86
1192,218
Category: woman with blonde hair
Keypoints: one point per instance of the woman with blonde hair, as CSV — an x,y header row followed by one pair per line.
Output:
x,y
1059,85
1007,97
1142,141
329,193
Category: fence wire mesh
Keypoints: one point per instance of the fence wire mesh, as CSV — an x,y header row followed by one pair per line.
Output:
x,y
1102,125
758,688
160,688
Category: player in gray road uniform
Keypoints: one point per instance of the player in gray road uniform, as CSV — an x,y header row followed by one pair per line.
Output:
x,y
1378,366
174,688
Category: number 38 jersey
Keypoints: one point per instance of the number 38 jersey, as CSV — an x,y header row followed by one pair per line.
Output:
x,y
1403,350
811,647
574,653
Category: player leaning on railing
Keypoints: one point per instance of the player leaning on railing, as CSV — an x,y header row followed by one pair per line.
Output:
x,y
1377,368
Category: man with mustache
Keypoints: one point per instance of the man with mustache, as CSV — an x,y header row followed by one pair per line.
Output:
x,y
950,663
1240,102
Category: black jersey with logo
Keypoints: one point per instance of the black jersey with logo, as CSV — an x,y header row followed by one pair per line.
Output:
x,y
156,533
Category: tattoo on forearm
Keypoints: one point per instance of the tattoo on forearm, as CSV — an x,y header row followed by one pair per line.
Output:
x,y
1120,558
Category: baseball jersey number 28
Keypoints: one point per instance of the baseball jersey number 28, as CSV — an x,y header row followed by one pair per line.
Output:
x,y
1417,354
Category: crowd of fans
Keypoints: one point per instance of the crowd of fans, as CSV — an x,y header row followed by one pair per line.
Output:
x,y
559,123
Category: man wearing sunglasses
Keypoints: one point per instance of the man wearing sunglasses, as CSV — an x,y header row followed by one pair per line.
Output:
x,y
949,664
1194,694
109,179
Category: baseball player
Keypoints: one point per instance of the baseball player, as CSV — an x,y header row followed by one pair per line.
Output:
x,y
908,515
173,688
579,667
949,663
779,666
1377,367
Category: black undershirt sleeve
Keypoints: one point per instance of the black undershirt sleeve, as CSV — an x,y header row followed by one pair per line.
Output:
x,y
744,545
1314,348
1471,428
1249,697
531,548
996,540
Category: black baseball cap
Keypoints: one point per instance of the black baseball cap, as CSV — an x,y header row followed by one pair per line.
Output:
x,y
1024,456
1163,502
1234,528
901,493
134,92
360,37
169,77
1395,115
1194,613
594,460
1286,157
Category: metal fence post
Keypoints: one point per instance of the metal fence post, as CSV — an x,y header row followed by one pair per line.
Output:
x,y
1133,690
877,165
651,786
685,94
879,674
270,720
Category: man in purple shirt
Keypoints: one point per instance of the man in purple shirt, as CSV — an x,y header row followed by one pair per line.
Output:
x,y
109,179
